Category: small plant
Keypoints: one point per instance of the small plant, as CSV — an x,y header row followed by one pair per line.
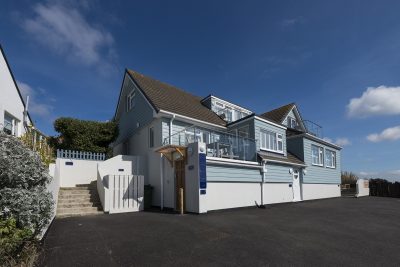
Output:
x,y
36,141
12,238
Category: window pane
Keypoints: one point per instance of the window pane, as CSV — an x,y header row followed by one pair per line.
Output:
x,y
280,146
273,141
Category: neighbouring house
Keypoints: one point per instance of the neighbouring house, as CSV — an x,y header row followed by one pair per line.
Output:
x,y
218,154
14,117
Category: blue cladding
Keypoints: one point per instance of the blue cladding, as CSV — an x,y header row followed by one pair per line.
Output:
x,y
230,173
203,171
317,174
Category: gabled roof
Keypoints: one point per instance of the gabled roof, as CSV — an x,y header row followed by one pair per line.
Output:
x,y
290,159
163,96
279,114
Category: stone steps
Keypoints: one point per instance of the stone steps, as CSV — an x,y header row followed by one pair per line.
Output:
x,y
78,201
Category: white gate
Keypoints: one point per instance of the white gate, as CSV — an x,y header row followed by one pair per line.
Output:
x,y
126,193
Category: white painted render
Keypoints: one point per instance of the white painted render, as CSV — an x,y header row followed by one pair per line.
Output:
x,y
10,100
362,188
81,172
277,193
222,195
317,191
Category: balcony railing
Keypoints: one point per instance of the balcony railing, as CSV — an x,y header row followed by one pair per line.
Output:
x,y
313,128
219,144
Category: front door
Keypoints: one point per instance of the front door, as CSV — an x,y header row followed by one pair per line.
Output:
x,y
179,184
296,185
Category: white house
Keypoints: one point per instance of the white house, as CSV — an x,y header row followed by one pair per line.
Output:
x,y
14,117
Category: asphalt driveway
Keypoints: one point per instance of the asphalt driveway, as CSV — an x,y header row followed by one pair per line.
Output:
x,y
335,232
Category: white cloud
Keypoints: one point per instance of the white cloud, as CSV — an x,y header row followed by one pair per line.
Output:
x,y
35,107
389,134
380,100
342,141
67,32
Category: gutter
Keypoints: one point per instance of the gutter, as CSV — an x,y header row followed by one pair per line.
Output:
x,y
161,111
286,163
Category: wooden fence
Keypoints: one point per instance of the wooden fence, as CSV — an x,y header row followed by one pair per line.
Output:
x,y
383,188
126,193
72,154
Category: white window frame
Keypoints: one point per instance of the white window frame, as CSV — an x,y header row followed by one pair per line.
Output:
x,y
151,137
266,136
292,122
130,100
320,155
333,155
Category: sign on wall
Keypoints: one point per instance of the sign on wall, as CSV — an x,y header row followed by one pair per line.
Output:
x,y
202,171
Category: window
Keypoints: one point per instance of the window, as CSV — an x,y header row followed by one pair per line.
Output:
x,y
229,113
292,123
271,141
10,125
151,137
131,100
330,159
317,155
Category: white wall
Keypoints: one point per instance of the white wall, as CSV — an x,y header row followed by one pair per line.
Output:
x,y
10,100
232,195
317,191
277,193
139,146
362,188
81,172
53,187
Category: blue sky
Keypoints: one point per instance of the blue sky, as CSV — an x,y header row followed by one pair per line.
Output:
x,y
338,60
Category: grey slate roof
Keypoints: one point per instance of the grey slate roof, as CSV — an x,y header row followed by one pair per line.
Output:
x,y
291,158
279,114
163,96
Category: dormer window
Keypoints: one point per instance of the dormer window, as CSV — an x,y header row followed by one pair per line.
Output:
x,y
131,100
292,123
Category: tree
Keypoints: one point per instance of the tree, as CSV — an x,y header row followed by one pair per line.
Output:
x,y
83,135
349,178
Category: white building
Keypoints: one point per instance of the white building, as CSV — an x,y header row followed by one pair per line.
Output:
x,y
14,118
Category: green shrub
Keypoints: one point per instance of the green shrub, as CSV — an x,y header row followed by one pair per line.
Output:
x,y
84,135
12,238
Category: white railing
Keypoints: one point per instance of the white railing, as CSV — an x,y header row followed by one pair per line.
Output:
x,y
72,154
125,193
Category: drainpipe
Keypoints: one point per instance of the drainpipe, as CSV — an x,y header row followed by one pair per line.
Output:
x,y
162,180
264,162
170,127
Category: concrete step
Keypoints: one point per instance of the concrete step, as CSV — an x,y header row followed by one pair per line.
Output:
x,y
64,215
75,191
78,205
79,193
78,200
78,197
78,210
